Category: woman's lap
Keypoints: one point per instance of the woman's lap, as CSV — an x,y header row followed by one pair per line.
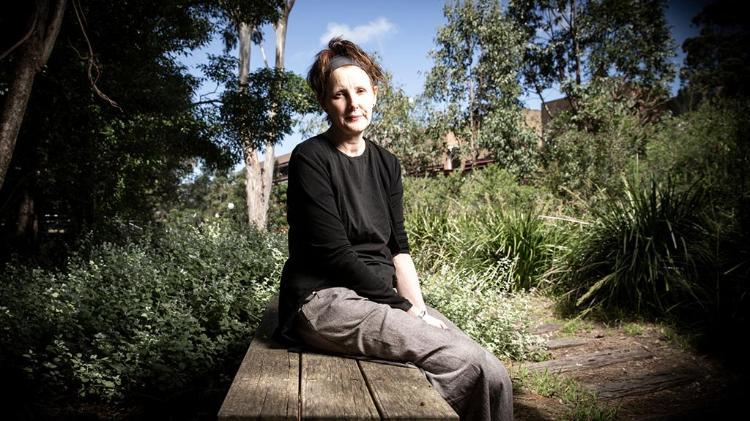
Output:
x,y
340,321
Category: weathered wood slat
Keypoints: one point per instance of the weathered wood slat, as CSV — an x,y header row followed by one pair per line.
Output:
x,y
641,385
333,388
546,328
566,343
266,385
592,360
273,383
413,399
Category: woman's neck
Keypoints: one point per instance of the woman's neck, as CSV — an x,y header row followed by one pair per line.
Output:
x,y
352,146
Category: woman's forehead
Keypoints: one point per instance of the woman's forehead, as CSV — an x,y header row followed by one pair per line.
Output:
x,y
349,75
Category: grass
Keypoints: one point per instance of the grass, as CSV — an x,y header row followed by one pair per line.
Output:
x,y
574,326
580,403
481,221
632,329
682,339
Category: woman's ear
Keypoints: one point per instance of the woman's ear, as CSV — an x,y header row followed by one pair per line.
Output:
x,y
375,94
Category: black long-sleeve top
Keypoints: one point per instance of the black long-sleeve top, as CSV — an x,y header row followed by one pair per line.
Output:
x,y
346,223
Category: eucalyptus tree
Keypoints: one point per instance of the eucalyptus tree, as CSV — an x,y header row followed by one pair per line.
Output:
x,y
256,109
475,80
266,174
570,41
397,127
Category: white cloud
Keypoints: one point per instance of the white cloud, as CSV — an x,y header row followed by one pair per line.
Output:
x,y
359,34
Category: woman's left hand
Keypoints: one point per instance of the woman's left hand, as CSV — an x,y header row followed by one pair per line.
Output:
x,y
432,321
422,314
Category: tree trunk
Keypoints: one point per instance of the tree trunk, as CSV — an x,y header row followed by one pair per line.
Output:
x,y
32,57
281,33
256,211
253,183
27,225
270,159
259,179
576,48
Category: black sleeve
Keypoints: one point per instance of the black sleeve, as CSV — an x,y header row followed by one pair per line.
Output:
x,y
316,215
398,242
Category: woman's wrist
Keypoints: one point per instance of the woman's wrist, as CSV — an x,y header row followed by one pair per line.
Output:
x,y
419,312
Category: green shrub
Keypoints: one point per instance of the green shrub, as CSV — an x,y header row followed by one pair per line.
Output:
x,y
592,149
709,145
167,312
480,303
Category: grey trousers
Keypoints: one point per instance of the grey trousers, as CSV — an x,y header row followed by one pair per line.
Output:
x,y
472,380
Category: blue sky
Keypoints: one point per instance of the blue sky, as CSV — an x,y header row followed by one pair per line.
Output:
x,y
400,32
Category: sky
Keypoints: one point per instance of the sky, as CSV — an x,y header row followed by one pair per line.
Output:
x,y
400,32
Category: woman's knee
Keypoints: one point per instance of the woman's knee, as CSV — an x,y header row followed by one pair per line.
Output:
x,y
496,374
492,370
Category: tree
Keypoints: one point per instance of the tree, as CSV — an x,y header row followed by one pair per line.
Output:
x,y
717,60
568,41
396,127
36,47
475,78
80,162
270,159
257,108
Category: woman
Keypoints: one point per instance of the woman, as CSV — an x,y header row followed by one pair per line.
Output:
x,y
347,248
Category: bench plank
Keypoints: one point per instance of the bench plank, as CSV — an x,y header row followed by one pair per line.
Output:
x,y
267,383
412,399
333,388
274,383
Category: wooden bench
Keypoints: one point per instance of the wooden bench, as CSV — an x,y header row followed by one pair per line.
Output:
x,y
278,384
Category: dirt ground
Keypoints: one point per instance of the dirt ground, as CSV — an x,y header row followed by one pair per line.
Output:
x,y
639,369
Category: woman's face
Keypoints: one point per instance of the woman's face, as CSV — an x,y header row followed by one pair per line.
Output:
x,y
349,100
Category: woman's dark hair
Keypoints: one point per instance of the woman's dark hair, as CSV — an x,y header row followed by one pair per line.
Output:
x,y
320,71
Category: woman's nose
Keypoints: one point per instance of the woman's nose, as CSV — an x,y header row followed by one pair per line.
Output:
x,y
353,102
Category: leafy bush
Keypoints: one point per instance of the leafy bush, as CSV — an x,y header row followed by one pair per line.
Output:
x,y
481,304
709,145
594,147
154,317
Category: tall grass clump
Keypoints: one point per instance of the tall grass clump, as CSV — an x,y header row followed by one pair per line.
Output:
x,y
520,235
643,254
480,220
156,318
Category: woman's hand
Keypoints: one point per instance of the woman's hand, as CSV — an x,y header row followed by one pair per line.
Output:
x,y
430,320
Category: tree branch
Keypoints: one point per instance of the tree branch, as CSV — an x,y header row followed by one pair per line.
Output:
x,y
23,39
92,67
207,101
